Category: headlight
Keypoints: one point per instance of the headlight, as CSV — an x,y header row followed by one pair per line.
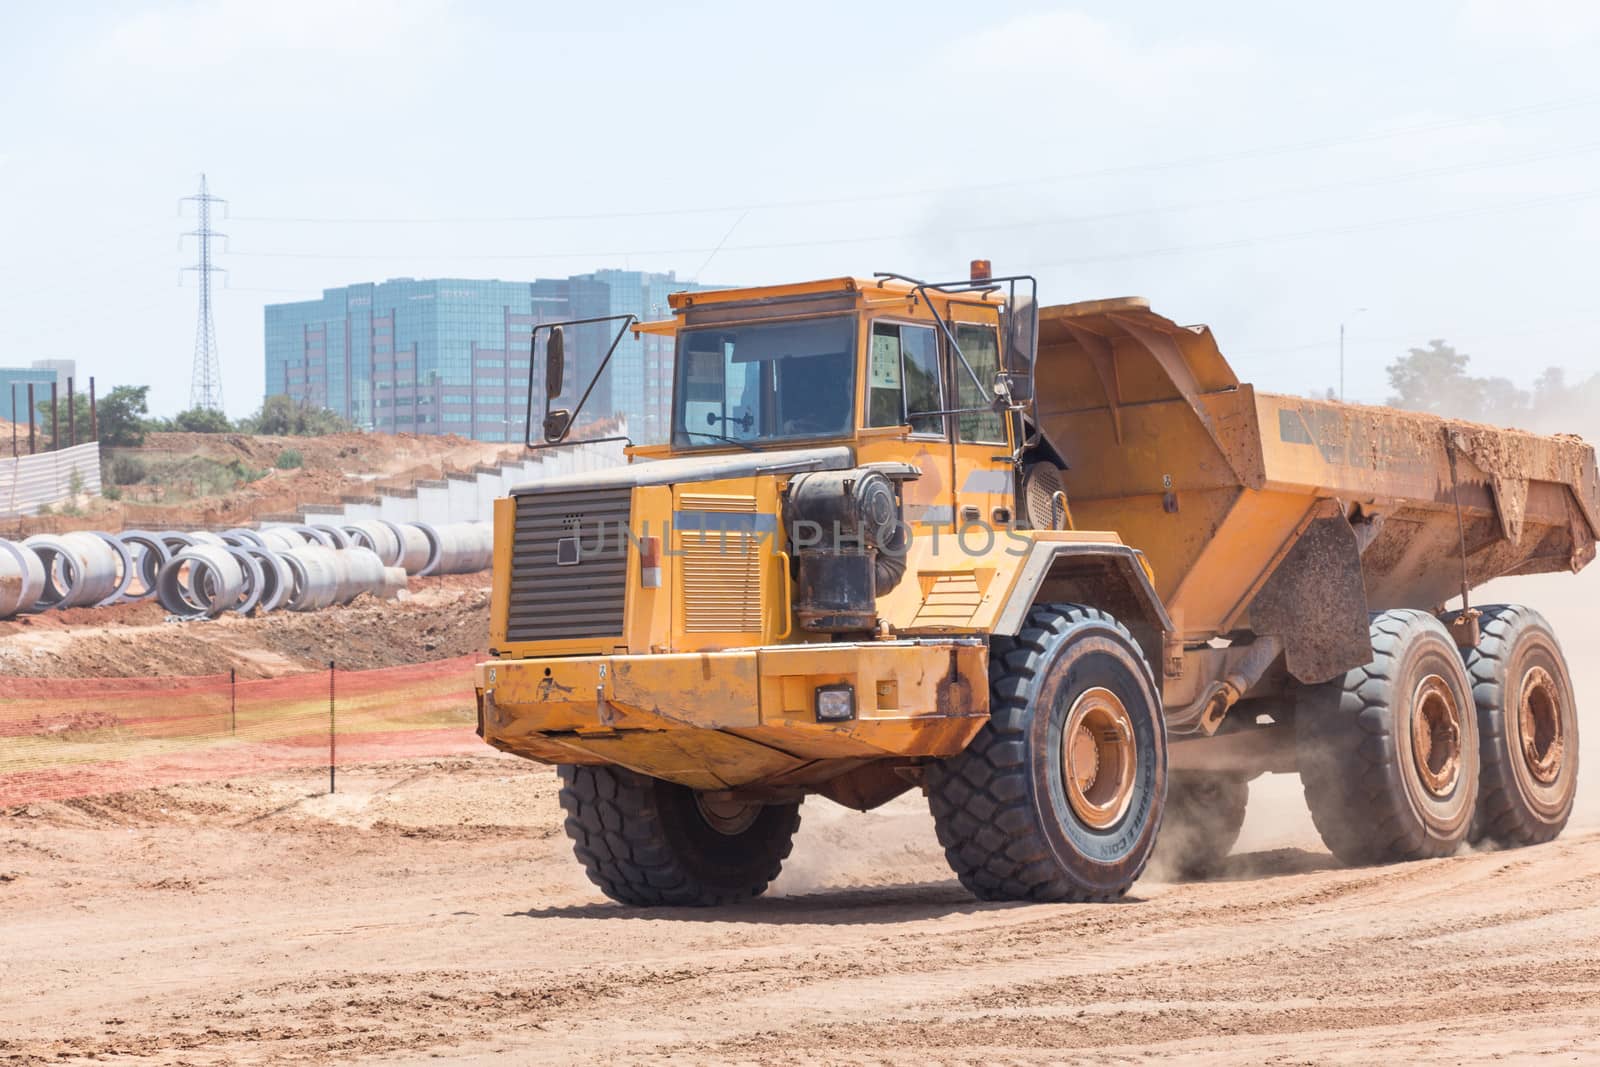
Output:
x,y
836,703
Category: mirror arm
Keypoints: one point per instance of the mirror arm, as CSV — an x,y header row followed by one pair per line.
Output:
x,y
533,346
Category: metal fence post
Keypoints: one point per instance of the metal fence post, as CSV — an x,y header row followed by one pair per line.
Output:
x,y
233,700
330,726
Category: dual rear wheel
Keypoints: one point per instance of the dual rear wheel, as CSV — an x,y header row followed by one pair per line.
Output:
x,y
1426,747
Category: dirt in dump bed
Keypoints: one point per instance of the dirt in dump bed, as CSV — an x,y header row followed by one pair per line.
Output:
x,y
441,618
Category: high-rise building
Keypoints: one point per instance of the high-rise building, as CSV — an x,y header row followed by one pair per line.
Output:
x,y
450,355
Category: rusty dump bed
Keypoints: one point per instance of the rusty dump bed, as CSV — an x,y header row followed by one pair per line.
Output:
x,y
1247,504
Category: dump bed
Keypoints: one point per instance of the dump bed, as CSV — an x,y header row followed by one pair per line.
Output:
x,y
1253,505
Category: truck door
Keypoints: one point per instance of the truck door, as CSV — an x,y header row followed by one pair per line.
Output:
x,y
905,376
983,469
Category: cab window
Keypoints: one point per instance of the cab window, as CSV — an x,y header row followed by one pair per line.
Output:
x,y
981,347
903,378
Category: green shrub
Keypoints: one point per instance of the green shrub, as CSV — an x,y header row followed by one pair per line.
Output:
x,y
290,459
126,470
110,492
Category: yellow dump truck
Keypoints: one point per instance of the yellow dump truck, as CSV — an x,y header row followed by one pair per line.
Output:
x,y
1055,566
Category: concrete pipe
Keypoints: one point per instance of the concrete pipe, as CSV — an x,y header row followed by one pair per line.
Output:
x,y
176,541
250,594
79,569
333,536
317,573
277,580
465,548
202,581
125,571
21,578
206,537
149,552
282,538
361,571
399,531
395,583
379,536
239,537
416,547
435,549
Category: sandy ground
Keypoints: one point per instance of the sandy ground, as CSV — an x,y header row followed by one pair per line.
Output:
x,y
432,910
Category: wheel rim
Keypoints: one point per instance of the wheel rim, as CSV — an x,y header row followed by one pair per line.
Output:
x,y
1436,735
1539,718
728,817
1097,758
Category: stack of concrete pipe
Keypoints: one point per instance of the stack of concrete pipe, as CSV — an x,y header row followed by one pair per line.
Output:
x,y
243,571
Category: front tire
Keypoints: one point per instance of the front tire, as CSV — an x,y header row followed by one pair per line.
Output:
x,y
647,842
1059,797
1527,725
1389,752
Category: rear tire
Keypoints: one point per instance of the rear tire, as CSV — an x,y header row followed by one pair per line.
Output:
x,y
1389,753
647,842
1059,796
1205,812
1527,728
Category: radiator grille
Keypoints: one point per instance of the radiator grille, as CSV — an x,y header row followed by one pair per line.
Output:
x,y
551,602
721,570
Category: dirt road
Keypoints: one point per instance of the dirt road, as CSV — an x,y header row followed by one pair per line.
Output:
x,y
433,910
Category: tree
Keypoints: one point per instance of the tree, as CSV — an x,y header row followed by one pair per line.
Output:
x,y
1435,379
122,414
283,416
201,420
64,423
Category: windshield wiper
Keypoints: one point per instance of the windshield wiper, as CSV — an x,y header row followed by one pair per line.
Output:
x,y
747,446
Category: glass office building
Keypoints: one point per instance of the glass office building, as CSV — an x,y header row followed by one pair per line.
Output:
x,y
451,355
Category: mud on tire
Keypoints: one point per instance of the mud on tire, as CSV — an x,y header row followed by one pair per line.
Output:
x,y
1527,728
647,842
1011,827
1388,753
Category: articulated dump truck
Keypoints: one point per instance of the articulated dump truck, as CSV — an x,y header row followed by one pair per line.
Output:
x,y
1056,567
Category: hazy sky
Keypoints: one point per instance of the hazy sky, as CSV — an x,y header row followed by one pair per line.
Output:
x,y
1263,167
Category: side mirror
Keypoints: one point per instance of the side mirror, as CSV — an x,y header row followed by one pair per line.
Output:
x,y
1002,392
555,363
556,424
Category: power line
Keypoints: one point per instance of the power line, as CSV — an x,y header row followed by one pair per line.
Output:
x,y
1209,159
883,238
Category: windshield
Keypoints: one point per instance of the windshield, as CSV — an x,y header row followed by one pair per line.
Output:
x,y
765,381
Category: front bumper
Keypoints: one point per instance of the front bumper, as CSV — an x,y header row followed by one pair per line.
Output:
x,y
720,720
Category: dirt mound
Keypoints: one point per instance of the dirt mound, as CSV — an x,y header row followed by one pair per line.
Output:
x,y
443,617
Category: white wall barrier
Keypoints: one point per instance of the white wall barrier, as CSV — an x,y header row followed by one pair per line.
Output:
x,y
28,483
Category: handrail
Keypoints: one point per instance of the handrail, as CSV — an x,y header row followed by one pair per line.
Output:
x,y
788,597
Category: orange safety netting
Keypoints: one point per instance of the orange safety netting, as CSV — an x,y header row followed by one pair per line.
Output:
x,y
78,737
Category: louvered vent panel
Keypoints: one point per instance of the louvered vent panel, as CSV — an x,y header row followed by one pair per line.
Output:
x,y
721,568
551,602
